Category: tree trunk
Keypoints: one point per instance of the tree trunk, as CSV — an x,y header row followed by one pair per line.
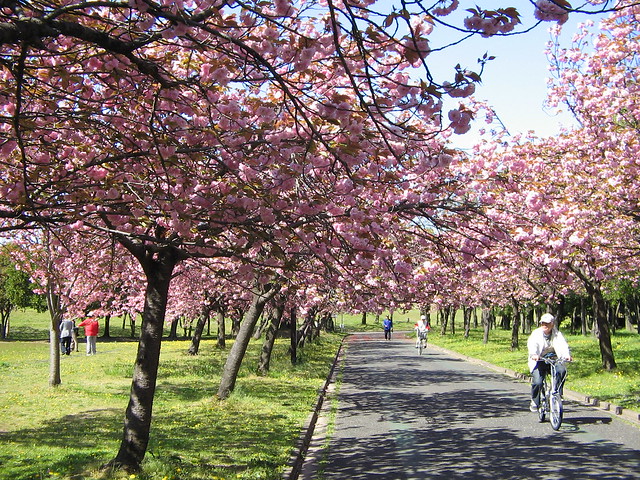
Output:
x,y
486,324
515,343
236,354
270,339
197,333
600,320
583,317
261,326
173,330
628,315
221,329
106,333
467,311
55,313
452,321
364,318
158,268
293,349
444,316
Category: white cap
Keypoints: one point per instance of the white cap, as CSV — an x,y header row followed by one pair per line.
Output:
x,y
547,318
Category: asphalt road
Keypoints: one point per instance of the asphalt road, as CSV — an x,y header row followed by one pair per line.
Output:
x,y
405,416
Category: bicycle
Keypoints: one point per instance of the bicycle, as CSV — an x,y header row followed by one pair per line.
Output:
x,y
422,343
550,397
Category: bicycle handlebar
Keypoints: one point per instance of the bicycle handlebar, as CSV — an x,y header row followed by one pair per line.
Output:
x,y
554,360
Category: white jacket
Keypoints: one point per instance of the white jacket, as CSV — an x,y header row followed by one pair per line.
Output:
x,y
536,344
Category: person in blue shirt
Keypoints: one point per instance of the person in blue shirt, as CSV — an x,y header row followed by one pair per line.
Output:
x,y
387,324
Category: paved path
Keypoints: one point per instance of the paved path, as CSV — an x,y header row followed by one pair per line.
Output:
x,y
405,416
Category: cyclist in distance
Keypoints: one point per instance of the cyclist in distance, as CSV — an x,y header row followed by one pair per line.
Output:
x,y
543,341
421,328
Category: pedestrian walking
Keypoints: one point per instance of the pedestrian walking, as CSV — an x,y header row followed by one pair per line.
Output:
x,y
66,335
387,324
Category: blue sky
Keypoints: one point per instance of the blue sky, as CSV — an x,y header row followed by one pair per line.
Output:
x,y
515,82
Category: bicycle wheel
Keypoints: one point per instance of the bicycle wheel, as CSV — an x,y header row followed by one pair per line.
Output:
x,y
421,347
542,406
555,411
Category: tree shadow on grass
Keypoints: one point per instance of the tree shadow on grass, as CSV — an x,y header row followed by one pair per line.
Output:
x,y
69,445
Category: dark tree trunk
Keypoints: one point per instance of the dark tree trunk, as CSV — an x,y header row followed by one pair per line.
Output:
x,y
516,326
600,325
466,313
158,267
235,322
270,338
603,335
583,316
239,348
293,349
107,324
452,320
444,320
364,318
221,330
194,348
173,330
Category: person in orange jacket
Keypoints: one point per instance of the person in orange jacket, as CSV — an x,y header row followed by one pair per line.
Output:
x,y
91,328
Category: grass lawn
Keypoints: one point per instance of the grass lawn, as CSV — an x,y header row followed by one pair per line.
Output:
x,y
67,432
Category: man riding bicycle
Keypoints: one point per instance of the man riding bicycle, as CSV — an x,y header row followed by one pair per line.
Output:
x,y
422,328
546,340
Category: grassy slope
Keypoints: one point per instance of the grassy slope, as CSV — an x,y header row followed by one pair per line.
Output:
x,y
70,430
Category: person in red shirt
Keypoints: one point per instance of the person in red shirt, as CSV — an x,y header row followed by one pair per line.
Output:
x,y
91,328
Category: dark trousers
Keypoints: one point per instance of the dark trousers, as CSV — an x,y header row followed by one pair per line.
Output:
x,y
66,345
537,377
387,334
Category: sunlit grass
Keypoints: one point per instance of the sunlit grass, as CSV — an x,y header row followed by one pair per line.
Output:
x,y
69,431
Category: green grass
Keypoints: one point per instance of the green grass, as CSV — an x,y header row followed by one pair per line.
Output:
x,y
586,375
69,431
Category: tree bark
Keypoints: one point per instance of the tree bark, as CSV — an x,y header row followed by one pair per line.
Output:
x,y
600,313
137,424
239,348
467,311
293,349
106,331
221,329
55,312
197,333
443,313
603,335
270,339
515,343
486,324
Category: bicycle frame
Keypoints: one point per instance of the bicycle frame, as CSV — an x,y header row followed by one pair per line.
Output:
x,y
422,338
550,398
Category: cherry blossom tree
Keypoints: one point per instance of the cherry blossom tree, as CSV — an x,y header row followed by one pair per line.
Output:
x,y
254,132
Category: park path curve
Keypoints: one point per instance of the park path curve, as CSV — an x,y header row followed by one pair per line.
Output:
x,y
404,416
